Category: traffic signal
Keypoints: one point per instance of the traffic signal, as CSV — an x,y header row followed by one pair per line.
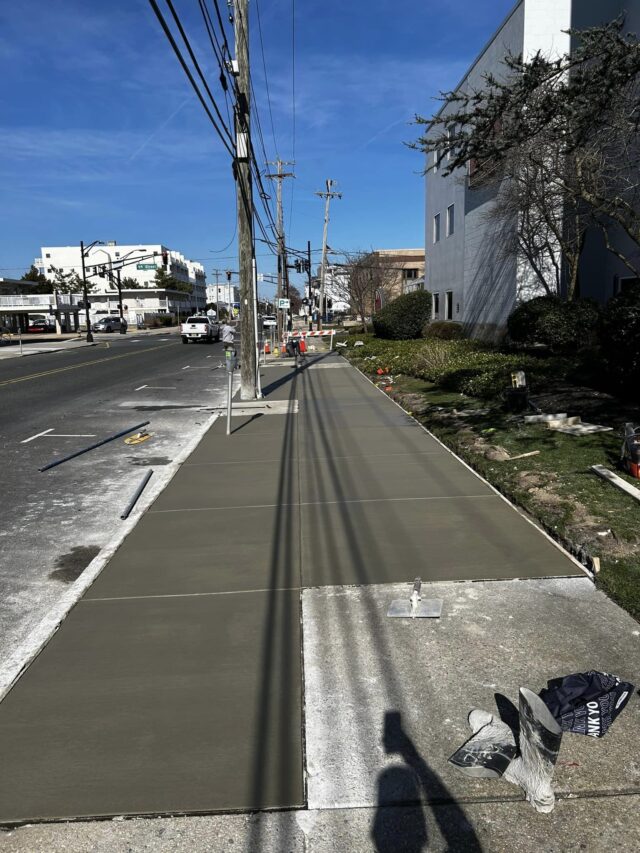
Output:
x,y
228,275
165,259
103,271
298,266
307,266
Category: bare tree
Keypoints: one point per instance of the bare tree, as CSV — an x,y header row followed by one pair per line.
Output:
x,y
363,278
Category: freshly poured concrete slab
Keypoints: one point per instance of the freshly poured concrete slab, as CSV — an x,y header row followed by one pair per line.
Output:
x,y
236,484
386,693
386,541
198,552
427,475
158,705
320,440
246,446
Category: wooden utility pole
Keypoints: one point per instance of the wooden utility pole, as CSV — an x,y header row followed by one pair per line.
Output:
x,y
279,176
327,195
248,362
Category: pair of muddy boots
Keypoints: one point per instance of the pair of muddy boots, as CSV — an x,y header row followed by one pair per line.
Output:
x,y
492,751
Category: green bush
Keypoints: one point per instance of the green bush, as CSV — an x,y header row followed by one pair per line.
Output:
x,y
159,321
562,326
444,331
470,367
404,318
621,336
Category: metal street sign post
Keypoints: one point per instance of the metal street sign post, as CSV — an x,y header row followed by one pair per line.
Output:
x,y
231,362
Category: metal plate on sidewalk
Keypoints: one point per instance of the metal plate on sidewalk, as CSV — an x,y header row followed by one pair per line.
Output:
x,y
428,609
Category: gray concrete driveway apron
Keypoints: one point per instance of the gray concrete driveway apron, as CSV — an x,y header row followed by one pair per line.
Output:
x,y
175,684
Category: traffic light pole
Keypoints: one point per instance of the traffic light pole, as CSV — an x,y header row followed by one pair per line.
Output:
x,y
85,295
310,296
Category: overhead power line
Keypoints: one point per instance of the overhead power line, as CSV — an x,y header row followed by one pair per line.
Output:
x,y
196,89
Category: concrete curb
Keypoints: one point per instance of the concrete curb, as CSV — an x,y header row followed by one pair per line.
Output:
x,y
481,478
24,654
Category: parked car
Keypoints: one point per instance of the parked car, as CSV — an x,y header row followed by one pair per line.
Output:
x,y
200,328
40,325
106,324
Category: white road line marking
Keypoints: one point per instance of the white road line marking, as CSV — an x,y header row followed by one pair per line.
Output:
x,y
186,367
161,387
27,440
72,435
141,387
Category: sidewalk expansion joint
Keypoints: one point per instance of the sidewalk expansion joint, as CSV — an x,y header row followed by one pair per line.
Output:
x,y
193,594
322,503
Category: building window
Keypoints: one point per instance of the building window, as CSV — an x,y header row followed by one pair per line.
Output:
x,y
451,216
436,304
47,255
436,228
117,254
409,274
450,149
448,305
627,283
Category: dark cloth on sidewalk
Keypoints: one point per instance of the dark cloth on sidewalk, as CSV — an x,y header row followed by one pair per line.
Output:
x,y
586,703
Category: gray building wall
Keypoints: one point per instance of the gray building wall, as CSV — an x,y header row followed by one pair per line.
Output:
x,y
472,263
481,279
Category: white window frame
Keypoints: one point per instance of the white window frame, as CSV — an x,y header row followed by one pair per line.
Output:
x,y
451,220
436,228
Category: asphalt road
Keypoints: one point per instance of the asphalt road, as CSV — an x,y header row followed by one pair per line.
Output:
x,y
54,523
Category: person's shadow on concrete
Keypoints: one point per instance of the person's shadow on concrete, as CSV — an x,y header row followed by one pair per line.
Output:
x,y
404,830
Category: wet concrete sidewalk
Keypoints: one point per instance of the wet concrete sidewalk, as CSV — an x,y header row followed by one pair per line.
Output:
x,y
179,684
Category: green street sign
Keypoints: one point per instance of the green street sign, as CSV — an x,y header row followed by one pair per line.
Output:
x,y
146,266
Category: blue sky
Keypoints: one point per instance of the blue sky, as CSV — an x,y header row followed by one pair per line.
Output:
x,y
101,137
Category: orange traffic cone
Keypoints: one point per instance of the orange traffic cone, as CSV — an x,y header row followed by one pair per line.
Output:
x,y
267,349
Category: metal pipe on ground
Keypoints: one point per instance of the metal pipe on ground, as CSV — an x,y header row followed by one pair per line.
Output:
x,y
136,494
93,446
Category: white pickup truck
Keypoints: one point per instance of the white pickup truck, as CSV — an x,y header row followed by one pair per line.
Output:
x,y
200,328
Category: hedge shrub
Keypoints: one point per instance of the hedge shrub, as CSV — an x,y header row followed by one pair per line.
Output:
x,y
562,326
621,336
404,318
444,331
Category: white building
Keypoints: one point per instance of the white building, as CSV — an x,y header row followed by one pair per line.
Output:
x,y
336,288
224,295
139,262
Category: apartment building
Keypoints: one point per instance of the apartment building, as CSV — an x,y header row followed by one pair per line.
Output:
x,y
472,280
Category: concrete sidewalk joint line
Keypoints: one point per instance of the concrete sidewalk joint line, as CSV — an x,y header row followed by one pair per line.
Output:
x,y
86,598
322,503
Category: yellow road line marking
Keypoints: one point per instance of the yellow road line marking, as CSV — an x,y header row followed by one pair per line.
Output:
x,y
77,366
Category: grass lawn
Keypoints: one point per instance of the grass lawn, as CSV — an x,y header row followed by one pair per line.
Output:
x,y
556,487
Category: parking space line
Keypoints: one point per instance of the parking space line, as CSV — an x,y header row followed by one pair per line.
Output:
x,y
186,367
141,387
27,440
72,435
